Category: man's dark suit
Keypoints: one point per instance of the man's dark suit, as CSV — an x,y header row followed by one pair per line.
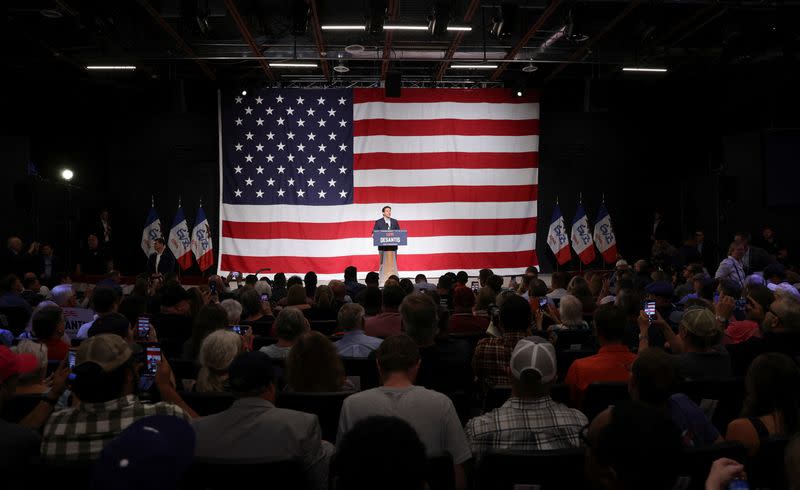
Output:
x,y
381,225
165,265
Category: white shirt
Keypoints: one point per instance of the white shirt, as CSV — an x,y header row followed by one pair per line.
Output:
x,y
388,223
158,259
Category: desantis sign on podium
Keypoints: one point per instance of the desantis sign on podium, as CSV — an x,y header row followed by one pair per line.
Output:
x,y
384,238
304,173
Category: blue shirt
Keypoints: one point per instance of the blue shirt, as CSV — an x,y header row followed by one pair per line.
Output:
x,y
696,429
357,344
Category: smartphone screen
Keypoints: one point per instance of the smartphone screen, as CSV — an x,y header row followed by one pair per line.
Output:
x,y
212,287
542,302
143,327
240,329
476,286
264,298
152,360
71,358
650,309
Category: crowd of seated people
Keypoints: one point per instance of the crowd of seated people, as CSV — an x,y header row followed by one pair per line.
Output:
x,y
466,370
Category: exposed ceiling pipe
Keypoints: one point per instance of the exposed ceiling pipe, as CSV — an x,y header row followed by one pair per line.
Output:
x,y
471,9
319,39
237,18
394,7
549,11
580,52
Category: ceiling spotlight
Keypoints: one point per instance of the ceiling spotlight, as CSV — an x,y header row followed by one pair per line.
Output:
x,y
354,48
519,93
530,68
244,92
67,174
341,67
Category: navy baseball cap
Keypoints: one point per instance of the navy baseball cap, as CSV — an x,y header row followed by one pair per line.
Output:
x,y
153,453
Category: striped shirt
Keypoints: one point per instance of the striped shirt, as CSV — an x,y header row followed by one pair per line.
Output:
x,y
79,434
526,425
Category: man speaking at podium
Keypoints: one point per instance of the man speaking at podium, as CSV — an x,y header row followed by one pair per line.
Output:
x,y
386,223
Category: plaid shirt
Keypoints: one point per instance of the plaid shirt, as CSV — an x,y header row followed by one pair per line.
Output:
x,y
526,425
79,434
492,357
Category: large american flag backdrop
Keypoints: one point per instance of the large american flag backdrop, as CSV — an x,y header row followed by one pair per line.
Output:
x,y
305,173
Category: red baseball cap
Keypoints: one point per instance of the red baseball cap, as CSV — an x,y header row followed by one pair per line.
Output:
x,y
11,364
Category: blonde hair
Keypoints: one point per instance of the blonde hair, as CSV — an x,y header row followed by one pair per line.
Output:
x,y
40,352
216,355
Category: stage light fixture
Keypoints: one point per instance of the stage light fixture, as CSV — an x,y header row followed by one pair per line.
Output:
x,y
504,20
439,18
67,174
376,15
300,11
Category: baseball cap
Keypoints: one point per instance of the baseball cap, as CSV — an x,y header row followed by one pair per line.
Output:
x,y
785,289
659,288
108,350
700,321
250,371
153,452
537,354
11,363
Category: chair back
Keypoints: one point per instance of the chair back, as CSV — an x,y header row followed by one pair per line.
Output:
x,y
573,339
18,406
439,472
325,327
365,369
326,406
217,475
184,370
601,395
721,399
696,462
766,468
501,469
208,403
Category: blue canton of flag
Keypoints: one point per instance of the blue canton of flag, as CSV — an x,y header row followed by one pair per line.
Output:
x,y
288,146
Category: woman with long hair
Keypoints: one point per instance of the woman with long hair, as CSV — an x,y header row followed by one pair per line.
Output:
x,y
772,404
216,355
314,365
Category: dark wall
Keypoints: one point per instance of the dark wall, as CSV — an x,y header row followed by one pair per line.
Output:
x,y
692,148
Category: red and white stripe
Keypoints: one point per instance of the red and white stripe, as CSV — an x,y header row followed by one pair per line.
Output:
x,y
459,168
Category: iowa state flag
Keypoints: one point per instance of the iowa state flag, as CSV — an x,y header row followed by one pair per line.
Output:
x,y
581,237
604,237
180,242
557,237
151,231
202,247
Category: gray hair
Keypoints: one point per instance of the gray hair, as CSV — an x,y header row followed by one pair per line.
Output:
x,y
263,287
216,355
570,309
788,312
290,324
62,294
234,310
40,352
351,316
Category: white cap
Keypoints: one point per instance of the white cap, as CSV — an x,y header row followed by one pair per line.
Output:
x,y
534,353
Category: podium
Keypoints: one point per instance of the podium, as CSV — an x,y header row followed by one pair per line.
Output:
x,y
388,258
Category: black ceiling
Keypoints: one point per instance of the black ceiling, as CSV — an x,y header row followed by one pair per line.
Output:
x,y
56,39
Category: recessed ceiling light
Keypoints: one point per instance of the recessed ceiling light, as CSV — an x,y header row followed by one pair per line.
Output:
x,y
474,67
352,27
293,65
654,70
110,67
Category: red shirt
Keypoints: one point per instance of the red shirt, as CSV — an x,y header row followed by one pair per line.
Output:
x,y
611,363
383,325
467,323
57,349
